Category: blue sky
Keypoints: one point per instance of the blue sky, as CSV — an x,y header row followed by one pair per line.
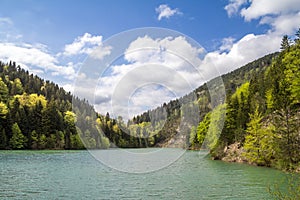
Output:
x,y
56,22
53,38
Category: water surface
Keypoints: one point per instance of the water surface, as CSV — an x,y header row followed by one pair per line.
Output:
x,y
77,175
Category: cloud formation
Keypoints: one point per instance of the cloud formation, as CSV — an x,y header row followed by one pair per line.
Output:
x,y
234,6
37,59
243,51
88,45
28,55
282,18
155,70
260,8
164,11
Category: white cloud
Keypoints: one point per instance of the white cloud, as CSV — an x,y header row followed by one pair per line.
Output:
x,y
39,60
68,87
89,45
164,11
247,49
35,58
259,8
283,24
227,44
283,17
171,62
234,6
168,51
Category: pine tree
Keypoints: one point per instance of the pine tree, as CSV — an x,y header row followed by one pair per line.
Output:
x,y
18,140
3,110
285,43
297,39
253,139
3,91
34,139
3,139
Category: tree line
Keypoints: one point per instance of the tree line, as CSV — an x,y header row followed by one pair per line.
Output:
x,y
262,114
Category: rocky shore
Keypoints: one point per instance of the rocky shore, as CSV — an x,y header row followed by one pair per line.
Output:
x,y
234,153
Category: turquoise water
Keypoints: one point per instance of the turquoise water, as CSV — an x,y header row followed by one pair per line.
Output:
x,y
77,175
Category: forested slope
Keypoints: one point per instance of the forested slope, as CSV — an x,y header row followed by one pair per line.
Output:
x,y
173,109
36,114
262,110
263,115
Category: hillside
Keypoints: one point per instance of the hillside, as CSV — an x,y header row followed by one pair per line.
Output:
x,y
261,126
36,114
231,81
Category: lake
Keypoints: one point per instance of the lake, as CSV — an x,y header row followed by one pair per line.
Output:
x,y
77,175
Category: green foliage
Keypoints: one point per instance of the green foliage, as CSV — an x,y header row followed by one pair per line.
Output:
x,y
42,142
263,113
34,139
209,129
202,128
192,138
216,125
236,115
17,87
291,62
285,43
70,117
43,114
260,144
31,100
3,110
270,99
76,142
3,91
17,140
105,143
287,128
242,93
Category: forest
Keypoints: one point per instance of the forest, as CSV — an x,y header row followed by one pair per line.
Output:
x,y
262,113
261,126
37,114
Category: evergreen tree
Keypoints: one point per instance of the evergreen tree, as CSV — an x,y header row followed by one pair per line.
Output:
x,y
297,39
253,139
3,111
34,140
18,140
3,139
285,43
3,91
